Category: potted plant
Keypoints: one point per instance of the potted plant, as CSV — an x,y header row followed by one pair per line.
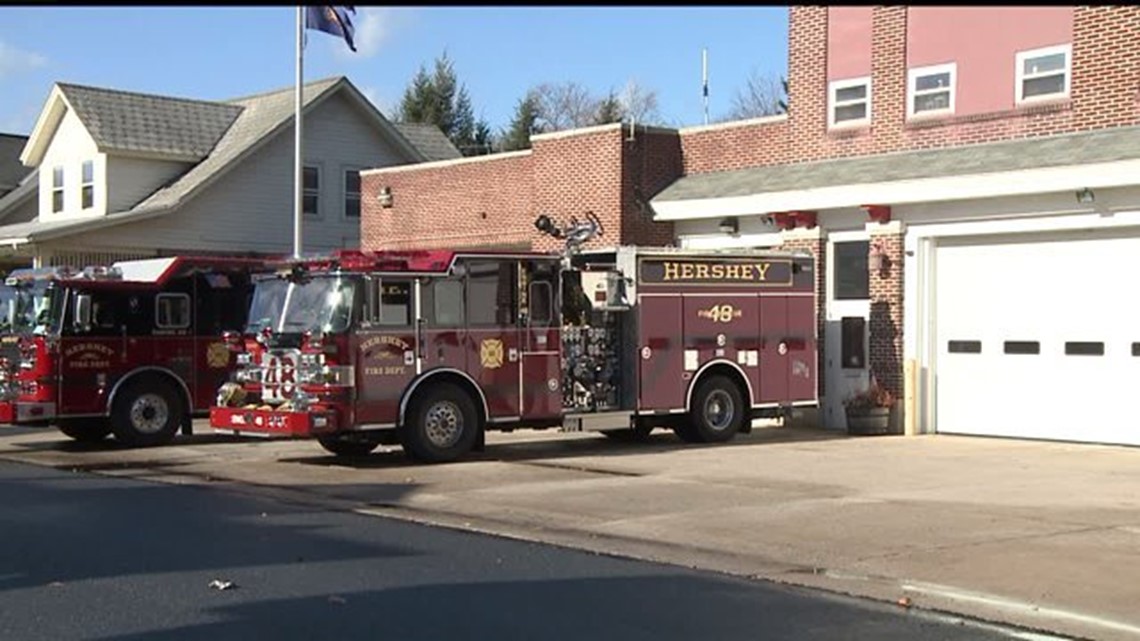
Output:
x,y
869,411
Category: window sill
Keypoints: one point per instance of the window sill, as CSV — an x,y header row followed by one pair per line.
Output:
x,y
849,131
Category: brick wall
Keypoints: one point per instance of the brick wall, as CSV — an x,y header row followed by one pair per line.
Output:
x,y
886,322
450,204
1105,92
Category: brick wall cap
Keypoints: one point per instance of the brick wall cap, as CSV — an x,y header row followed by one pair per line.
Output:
x,y
505,155
751,122
583,131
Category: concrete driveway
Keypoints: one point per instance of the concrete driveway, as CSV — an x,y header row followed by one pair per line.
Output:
x,y
1043,535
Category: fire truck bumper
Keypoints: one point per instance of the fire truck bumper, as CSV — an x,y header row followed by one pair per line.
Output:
x,y
236,420
34,412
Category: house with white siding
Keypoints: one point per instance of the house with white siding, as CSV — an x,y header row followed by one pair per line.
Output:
x,y
114,175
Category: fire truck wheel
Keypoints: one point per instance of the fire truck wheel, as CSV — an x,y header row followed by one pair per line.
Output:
x,y
441,426
345,447
717,412
146,413
85,430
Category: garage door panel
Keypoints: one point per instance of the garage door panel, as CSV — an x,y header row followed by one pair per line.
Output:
x,y
1034,339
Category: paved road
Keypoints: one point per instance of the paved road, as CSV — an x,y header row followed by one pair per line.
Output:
x,y
93,557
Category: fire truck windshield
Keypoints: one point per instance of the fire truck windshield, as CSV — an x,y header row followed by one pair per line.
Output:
x,y
24,308
322,303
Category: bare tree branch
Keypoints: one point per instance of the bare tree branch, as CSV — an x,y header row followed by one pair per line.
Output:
x,y
761,95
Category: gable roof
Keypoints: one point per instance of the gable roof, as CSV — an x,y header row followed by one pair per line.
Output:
x,y
12,171
430,140
124,121
259,118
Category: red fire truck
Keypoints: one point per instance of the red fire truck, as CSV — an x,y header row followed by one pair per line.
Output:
x,y
21,300
135,349
428,349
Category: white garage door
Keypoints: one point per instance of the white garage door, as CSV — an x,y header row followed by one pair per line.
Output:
x,y
1039,339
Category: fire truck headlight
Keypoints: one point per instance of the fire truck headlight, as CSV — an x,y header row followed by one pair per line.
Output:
x,y
243,359
308,360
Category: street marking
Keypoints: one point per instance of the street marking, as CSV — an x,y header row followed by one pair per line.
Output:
x,y
1027,608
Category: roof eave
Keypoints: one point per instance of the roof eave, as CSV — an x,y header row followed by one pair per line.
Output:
x,y
1119,173
46,124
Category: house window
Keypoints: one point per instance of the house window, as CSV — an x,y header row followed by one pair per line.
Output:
x,y
850,102
851,279
57,189
310,200
931,90
1043,73
352,193
87,191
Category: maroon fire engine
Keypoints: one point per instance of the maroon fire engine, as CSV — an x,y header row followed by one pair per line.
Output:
x,y
429,349
135,349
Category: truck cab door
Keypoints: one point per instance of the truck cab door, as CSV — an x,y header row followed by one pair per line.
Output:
x,y
385,350
542,341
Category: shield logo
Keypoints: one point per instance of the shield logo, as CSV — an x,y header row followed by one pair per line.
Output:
x,y
217,355
491,353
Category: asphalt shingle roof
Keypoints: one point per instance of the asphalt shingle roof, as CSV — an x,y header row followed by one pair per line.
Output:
x,y
429,139
12,171
136,122
1034,153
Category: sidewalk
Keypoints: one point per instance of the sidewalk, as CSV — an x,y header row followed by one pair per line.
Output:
x,y
1044,535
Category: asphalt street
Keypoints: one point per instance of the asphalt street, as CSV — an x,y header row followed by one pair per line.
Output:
x,y
92,557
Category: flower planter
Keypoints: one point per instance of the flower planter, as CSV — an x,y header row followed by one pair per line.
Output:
x,y
870,421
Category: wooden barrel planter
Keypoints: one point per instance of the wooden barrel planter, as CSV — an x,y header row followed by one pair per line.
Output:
x,y
870,421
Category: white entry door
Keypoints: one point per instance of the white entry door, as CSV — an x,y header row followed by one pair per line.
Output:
x,y
1038,338
846,343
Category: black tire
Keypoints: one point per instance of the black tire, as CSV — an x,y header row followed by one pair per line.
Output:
x,y
639,433
717,412
441,426
85,430
341,446
147,413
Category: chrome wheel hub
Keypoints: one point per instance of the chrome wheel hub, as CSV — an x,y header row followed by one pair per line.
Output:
x,y
149,413
444,424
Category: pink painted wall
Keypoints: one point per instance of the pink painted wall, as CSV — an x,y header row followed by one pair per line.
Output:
x,y
848,42
983,41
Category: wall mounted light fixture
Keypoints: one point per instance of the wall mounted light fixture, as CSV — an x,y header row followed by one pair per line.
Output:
x,y
729,225
1086,196
385,197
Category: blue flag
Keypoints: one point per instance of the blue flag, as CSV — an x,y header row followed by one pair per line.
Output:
x,y
332,20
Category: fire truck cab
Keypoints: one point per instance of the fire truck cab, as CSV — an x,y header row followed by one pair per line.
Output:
x,y
429,349
134,349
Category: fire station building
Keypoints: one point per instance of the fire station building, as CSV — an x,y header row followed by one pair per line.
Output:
x,y
967,177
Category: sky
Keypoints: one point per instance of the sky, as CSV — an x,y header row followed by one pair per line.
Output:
x,y
217,53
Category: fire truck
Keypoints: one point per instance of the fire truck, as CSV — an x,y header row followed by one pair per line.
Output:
x,y
134,349
21,300
429,349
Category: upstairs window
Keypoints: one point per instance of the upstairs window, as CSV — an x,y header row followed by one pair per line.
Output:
x,y
57,189
87,189
1043,73
849,102
310,200
931,90
352,193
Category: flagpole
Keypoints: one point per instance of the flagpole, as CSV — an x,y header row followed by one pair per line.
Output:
x,y
299,172
705,81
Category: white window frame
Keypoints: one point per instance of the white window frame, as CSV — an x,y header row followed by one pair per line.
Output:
x,y
1020,77
84,184
345,193
833,88
912,91
316,193
58,189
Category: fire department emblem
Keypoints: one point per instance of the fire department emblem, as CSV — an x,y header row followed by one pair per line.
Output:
x,y
217,355
491,353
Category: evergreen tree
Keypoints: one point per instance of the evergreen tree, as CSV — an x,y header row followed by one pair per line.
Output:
x,y
440,99
609,110
523,124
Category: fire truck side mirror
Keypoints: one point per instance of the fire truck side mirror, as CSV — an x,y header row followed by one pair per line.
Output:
x,y
371,300
82,312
